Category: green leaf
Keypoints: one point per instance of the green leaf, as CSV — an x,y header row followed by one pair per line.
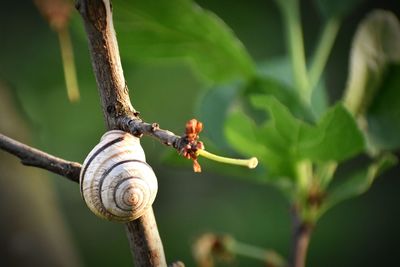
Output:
x,y
180,29
282,141
264,143
242,135
319,99
336,137
358,183
283,93
251,141
375,45
281,120
280,70
383,116
277,137
212,109
336,8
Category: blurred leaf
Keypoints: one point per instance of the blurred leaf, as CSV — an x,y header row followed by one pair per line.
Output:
x,y
212,110
279,135
282,92
335,8
266,145
384,114
181,29
336,137
267,142
358,183
375,45
280,69
284,140
257,175
282,120
319,99
242,135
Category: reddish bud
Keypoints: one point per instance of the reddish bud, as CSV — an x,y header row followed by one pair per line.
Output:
x,y
196,166
192,130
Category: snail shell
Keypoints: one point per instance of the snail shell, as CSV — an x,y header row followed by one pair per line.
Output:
x,y
115,181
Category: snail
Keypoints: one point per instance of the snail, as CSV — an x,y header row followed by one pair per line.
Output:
x,y
115,181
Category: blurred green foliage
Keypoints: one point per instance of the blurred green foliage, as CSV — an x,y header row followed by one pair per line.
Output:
x,y
157,43
181,29
283,139
384,115
339,8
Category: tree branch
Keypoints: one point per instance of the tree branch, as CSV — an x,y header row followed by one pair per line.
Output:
x,y
142,233
33,157
138,127
301,238
106,63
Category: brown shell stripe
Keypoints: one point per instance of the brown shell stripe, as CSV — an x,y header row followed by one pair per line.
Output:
x,y
119,139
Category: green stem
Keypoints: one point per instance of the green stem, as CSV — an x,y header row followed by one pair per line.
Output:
x,y
69,64
304,183
325,173
323,50
304,175
250,163
291,12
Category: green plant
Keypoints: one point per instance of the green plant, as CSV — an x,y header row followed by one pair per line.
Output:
x,y
277,111
287,122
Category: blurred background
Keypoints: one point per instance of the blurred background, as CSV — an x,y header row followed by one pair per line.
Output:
x,y
42,216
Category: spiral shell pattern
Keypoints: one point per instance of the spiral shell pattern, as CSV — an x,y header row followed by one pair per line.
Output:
x,y
116,182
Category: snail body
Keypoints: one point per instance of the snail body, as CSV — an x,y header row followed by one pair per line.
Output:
x,y
115,181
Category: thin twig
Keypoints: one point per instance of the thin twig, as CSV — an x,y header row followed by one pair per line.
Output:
x,y
138,127
33,157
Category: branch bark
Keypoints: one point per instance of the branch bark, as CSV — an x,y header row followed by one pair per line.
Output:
x,y
142,233
33,157
301,238
137,127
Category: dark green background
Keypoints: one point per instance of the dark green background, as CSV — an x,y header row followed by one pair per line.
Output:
x,y
360,232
